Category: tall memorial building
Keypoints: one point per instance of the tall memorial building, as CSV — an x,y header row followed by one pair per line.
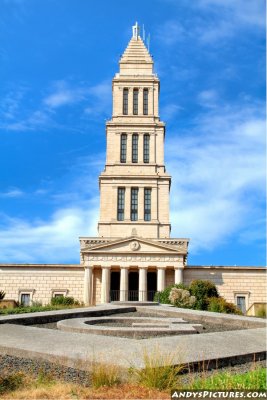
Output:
x,y
133,255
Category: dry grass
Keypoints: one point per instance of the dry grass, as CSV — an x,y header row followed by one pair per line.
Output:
x,y
105,375
65,391
160,371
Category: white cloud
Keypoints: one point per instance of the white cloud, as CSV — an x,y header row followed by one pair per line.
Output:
x,y
169,111
208,98
248,12
170,32
54,240
12,193
218,173
63,95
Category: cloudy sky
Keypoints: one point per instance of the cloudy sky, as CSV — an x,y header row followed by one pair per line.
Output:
x,y
58,58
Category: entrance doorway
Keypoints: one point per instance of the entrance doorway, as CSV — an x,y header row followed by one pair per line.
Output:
x,y
151,285
115,286
133,286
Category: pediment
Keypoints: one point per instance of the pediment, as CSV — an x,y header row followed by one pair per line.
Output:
x,y
132,245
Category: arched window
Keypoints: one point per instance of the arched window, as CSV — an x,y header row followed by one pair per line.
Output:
x,y
123,147
125,101
135,148
146,148
135,102
145,101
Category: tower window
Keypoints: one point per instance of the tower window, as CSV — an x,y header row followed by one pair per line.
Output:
x,y
146,148
125,101
121,201
145,102
134,204
135,102
135,148
123,147
147,204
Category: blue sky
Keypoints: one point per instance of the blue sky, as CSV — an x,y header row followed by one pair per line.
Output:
x,y
58,58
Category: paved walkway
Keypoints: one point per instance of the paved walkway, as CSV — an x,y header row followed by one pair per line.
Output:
x,y
79,350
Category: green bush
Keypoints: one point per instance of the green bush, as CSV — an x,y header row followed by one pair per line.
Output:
x,y
163,297
202,290
63,300
219,304
2,294
261,312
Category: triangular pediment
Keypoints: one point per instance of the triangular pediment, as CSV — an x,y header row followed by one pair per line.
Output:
x,y
132,245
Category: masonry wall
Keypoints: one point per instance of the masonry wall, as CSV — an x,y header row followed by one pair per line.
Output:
x,y
41,281
233,281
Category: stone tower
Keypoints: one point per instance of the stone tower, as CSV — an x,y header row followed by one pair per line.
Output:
x,y
133,256
134,187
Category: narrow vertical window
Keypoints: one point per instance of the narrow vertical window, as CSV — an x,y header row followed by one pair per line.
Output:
x,y
123,147
147,204
134,204
146,148
125,101
135,101
121,200
145,102
135,148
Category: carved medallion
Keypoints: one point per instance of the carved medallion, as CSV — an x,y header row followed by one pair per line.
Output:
x,y
134,245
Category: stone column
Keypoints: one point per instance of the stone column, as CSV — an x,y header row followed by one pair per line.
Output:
x,y
124,284
127,204
88,283
105,286
140,101
129,148
141,203
142,284
130,101
154,204
161,279
152,149
178,275
140,148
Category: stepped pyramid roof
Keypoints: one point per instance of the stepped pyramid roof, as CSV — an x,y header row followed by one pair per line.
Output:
x,y
136,52
136,59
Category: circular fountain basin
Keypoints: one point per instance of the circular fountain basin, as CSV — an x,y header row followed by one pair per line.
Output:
x,y
129,326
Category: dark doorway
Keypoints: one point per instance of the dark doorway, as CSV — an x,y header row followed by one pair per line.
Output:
x,y
133,286
151,285
115,285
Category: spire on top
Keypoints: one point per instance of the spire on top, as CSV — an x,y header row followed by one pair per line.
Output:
x,y
136,31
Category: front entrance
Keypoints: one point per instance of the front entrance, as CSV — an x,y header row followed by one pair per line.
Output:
x,y
151,285
115,285
133,286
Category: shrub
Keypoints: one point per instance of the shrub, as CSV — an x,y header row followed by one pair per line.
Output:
x,y
163,297
63,300
2,294
202,290
10,383
261,312
181,298
219,304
